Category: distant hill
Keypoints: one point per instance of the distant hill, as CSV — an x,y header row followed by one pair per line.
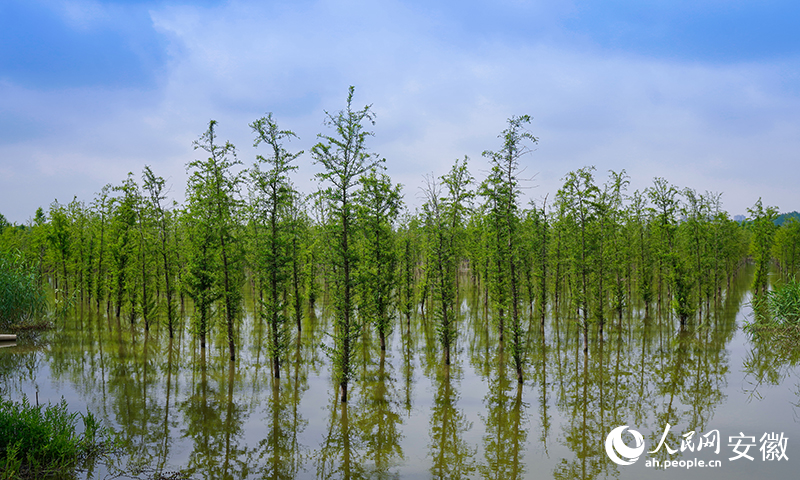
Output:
x,y
784,217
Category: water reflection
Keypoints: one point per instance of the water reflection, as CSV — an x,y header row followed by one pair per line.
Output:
x,y
181,408
452,456
505,425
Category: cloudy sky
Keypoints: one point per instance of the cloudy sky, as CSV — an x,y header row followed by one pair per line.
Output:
x,y
705,93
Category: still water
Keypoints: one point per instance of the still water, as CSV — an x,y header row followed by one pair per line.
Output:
x,y
178,409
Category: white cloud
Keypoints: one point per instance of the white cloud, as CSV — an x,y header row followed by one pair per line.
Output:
x,y
729,128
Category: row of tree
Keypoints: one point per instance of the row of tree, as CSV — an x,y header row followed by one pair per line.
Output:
x,y
593,253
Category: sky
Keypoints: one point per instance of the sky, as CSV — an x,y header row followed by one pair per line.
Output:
x,y
704,93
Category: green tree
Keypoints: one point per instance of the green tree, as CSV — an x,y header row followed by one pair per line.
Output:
x,y
272,203
444,217
60,240
122,247
639,222
345,158
215,264
577,197
786,248
379,206
763,228
665,204
102,206
610,253
154,187
502,191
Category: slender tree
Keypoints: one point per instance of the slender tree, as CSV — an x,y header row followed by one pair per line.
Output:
x,y
444,215
122,246
763,228
379,206
576,197
215,263
156,195
502,191
273,198
345,158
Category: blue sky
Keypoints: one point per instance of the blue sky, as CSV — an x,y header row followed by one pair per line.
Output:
x,y
703,93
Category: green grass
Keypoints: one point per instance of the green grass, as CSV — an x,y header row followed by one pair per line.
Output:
x,y
777,316
21,299
779,307
41,441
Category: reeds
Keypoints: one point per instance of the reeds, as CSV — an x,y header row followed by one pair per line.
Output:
x,y
21,300
777,310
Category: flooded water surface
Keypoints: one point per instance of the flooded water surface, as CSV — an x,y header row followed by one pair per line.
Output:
x,y
178,408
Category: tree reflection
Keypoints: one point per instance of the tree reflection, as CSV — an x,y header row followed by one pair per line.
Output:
x,y
214,422
506,426
340,454
452,456
379,422
583,403
281,451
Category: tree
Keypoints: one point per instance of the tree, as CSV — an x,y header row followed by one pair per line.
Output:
x,y
379,206
215,264
787,247
154,186
639,221
696,211
665,203
102,207
60,240
345,158
272,201
576,198
121,247
763,228
444,216
610,253
502,191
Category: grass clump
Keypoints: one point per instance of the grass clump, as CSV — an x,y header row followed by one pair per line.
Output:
x,y
21,299
778,311
41,441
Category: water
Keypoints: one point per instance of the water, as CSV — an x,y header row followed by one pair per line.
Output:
x,y
177,408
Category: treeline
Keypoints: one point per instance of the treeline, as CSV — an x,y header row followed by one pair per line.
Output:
x,y
592,253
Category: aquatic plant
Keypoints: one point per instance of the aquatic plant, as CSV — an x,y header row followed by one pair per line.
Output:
x,y
779,307
21,299
40,440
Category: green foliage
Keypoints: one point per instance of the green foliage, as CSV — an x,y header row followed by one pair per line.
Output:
x,y
501,190
444,215
786,248
41,441
345,158
21,298
763,229
379,204
575,200
164,246
779,307
215,262
121,243
272,199
594,252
